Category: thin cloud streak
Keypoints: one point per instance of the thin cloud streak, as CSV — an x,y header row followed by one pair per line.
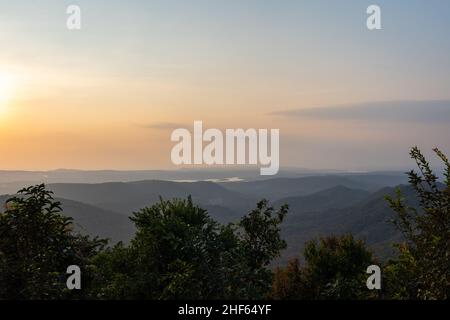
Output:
x,y
429,111
162,126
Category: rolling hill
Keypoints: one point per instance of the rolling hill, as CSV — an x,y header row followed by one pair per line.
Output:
x,y
127,197
369,219
319,205
94,221
278,188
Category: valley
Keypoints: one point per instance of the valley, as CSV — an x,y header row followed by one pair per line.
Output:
x,y
319,205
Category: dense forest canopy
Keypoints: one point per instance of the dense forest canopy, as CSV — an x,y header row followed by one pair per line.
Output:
x,y
180,252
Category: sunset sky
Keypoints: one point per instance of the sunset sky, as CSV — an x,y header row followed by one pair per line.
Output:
x,y
109,95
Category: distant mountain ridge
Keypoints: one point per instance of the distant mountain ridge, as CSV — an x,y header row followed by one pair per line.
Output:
x,y
94,221
278,188
127,197
319,205
11,181
336,197
370,219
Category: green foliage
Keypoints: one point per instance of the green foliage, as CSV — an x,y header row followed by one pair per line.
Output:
x,y
288,282
37,245
179,252
335,268
261,237
422,270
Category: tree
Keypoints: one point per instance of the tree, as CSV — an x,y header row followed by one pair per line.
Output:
x,y
422,270
37,244
260,243
335,268
179,252
287,282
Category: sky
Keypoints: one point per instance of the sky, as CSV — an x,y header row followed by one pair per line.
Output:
x,y
109,95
